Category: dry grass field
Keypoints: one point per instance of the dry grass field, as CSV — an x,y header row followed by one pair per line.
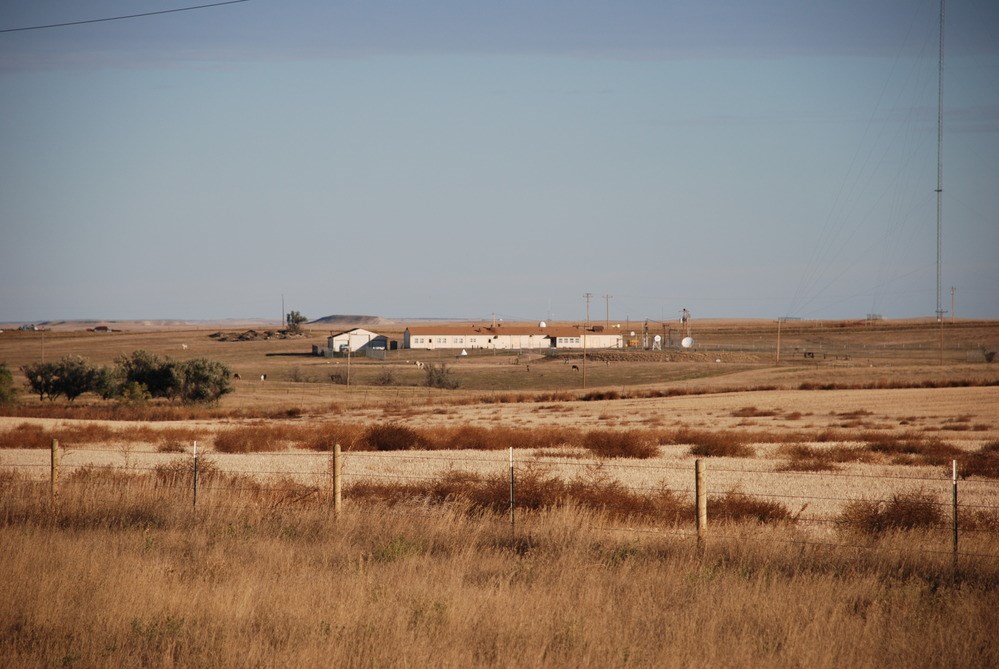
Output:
x,y
806,460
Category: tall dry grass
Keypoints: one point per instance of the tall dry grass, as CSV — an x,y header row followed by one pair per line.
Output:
x,y
123,576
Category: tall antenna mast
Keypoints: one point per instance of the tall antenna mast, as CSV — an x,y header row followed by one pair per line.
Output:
x,y
940,71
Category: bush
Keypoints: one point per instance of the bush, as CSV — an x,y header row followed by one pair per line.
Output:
x,y
735,506
203,380
439,376
41,378
393,438
385,378
904,511
984,462
719,444
911,448
8,393
631,444
250,439
160,377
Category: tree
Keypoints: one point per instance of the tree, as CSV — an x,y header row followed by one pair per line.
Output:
x,y
203,380
294,321
74,376
8,393
161,377
41,378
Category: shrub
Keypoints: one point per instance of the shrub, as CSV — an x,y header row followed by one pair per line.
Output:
x,y
609,444
904,511
911,448
251,439
25,435
8,393
984,462
736,506
717,444
752,412
439,376
805,458
393,437
41,378
202,380
160,377
385,378
325,437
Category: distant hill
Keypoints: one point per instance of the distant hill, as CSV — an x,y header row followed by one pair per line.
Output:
x,y
342,319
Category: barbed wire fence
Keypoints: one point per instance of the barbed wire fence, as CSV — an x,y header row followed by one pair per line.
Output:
x,y
297,479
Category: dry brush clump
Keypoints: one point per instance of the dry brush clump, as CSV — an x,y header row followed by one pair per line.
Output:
x,y
630,444
257,438
808,458
735,506
903,511
717,444
535,488
29,435
984,462
910,448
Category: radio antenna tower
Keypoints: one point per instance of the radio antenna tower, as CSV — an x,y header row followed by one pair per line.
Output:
x,y
940,72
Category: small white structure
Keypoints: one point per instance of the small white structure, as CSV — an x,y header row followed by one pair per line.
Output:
x,y
357,340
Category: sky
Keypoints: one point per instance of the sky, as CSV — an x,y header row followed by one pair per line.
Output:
x,y
457,159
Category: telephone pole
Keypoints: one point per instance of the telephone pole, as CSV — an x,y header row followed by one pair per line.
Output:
x,y
586,327
607,315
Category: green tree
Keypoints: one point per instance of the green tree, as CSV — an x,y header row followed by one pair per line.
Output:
x,y
160,377
294,321
107,383
41,378
8,393
203,380
74,376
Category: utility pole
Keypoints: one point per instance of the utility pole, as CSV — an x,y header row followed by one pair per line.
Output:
x,y
586,327
607,315
952,291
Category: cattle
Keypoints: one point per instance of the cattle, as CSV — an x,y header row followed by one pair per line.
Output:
x,y
237,377
575,368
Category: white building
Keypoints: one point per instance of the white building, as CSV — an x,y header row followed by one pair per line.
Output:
x,y
357,340
507,337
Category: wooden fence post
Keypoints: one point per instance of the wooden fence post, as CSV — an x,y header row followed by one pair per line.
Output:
x,y
54,485
701,494
513,519
337,480
194,501
954,507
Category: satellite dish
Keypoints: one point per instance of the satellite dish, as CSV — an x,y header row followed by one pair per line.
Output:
x,y
542,324
657,338
632,333
687,342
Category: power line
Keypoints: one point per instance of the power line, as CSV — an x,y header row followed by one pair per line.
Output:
x,y
118,18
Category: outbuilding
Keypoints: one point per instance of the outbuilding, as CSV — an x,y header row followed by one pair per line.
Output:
x,y
357,340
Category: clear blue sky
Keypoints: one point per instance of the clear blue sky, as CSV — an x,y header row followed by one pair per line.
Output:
x,y
456,159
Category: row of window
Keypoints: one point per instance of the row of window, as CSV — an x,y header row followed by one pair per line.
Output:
x,y
443,340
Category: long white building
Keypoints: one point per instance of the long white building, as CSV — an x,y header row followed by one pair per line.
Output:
x,y
506,337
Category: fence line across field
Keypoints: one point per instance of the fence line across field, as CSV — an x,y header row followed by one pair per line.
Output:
x,y
700,506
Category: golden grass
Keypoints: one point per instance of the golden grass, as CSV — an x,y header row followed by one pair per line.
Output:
x,y
126,575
